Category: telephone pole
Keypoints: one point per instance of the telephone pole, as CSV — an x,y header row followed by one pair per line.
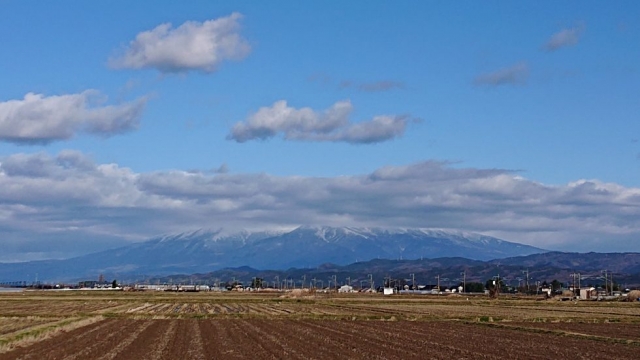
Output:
x,y
576,276
611,282
527,272
464,281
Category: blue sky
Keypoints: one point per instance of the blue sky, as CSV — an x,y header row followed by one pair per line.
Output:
x,y
536,103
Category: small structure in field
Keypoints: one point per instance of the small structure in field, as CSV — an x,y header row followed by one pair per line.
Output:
x,y
588,293
345,289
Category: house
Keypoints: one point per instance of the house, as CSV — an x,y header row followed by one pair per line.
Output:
x,y
588,293
345,289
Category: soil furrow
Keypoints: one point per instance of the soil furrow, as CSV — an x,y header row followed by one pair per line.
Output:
x,y
47,348
345,333
310,343
100,343
123,345
282,349
421,341
228,343
195,344
152,343
213,339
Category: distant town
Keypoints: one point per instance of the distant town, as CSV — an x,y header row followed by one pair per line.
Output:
x,y
600,287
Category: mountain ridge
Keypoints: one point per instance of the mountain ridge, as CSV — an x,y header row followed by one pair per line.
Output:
x,y
586,270
305,246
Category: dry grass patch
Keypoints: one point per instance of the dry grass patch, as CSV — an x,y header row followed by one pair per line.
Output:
x,y
38,333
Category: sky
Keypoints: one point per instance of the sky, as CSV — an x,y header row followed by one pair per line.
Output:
x,y
120,121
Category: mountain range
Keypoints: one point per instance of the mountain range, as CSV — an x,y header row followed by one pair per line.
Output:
x,y
303,247
585,268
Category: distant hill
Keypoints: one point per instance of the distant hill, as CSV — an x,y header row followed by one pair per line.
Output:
x,y
589,262
452,271
304,247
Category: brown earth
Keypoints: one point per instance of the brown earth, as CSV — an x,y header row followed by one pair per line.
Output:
x,y
628,331
312,339
41,325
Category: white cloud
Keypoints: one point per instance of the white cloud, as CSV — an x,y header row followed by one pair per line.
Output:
x,y
513,75
564,38
44,119
309,125
69,197
191,46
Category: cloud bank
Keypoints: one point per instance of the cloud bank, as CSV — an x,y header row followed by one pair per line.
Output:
x,y
564,38
306,124
201,46
43,119
45,198
513,75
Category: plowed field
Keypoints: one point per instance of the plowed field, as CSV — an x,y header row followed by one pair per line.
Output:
x,y
309,339
69,326
612,330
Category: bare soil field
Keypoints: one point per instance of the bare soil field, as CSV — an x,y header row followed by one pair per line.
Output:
x,y
43,325
629,331
309,339
12,324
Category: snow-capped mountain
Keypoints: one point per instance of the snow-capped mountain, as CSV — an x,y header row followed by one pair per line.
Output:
x,y
306,246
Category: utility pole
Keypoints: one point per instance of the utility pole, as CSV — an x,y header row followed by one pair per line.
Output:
x,y
413,282
576,276
349,280
304,279
438,277
464,281
335,282
606,284
527,272
371,281
611,281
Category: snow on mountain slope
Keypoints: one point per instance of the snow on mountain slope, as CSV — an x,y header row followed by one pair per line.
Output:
x,y
306,246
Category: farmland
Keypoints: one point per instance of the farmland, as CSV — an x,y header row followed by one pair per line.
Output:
x,y
76,325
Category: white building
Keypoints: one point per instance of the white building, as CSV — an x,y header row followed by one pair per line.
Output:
x,y
345,289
